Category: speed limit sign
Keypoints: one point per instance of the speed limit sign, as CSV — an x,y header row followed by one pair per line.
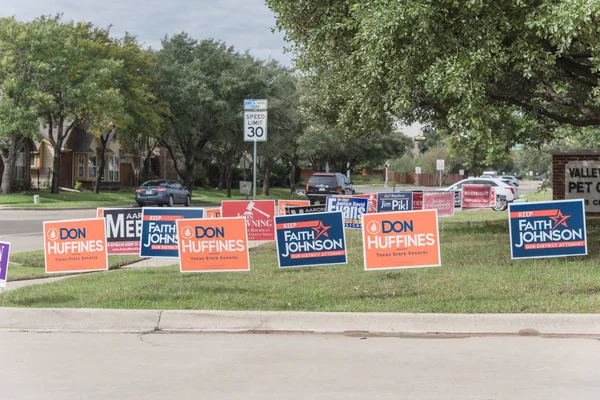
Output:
x,y
255,126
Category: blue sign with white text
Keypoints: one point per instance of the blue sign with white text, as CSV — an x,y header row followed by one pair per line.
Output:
x,y
159,232
547,229
394,201
352,208
310,239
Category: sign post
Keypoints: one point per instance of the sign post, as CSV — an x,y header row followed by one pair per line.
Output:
x,y
255,128
387,167
418,172
440,164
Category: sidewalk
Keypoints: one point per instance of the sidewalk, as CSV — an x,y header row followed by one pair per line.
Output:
x,y
386,324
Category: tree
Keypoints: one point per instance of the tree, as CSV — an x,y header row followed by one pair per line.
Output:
x,y
188,80
466,66
18,115
76,78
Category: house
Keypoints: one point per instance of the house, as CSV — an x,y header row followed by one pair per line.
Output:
x,y
80,161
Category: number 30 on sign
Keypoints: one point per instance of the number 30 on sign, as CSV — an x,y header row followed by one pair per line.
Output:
x,y
255,126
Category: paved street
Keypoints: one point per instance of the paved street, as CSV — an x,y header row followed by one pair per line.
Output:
x,y
295,366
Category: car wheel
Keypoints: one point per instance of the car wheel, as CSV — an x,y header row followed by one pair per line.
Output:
x,y
500,207
188,201
171,201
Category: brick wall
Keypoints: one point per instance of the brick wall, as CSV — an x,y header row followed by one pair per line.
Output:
x,y
559,160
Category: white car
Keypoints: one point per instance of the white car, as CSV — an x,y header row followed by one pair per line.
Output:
x,y
512,180
502,188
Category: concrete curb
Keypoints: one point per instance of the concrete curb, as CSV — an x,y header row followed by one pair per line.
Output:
x,y
396,324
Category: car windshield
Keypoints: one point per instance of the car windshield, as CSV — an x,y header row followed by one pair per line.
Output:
x,y
154,183
321,180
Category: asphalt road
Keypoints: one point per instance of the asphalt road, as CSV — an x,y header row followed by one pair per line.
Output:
x,y
295,366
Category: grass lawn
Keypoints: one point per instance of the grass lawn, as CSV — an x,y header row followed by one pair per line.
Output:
x,y
477,276
539,196
30,265
124,198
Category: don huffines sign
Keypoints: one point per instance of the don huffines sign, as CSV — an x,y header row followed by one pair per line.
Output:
x,y
310,239
401,240
213,245
352,209
123,229
75,246
159,232
258,213
547,229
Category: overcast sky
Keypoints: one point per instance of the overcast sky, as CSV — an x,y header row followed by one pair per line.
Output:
x,y
244,24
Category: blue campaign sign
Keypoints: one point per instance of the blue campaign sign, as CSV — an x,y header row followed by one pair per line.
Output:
x,y
394,201
310,239
352,209
159,232
547,229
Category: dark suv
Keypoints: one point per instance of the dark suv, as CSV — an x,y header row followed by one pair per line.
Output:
x,y
323,184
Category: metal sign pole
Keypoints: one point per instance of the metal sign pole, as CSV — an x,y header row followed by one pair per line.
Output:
x,y
254,173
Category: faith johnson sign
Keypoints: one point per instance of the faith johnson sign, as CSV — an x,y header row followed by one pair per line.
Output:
x,y
547,229
4,254
123,229
352,209
311,239
213,245
159,232
396,201
401,240
75,245
258,213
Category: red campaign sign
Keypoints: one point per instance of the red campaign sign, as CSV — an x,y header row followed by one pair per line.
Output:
x,y
441,201
417,200
372,208
259,216
477,196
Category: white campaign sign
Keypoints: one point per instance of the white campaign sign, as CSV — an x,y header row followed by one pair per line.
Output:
x,y
440,164
255,126
582,181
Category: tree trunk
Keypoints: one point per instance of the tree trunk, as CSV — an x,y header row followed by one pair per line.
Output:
x,y
222,176
100,170
55,170
9,158
294,164
267,176
229,179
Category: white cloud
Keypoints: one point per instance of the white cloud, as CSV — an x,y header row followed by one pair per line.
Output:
x,y
244,24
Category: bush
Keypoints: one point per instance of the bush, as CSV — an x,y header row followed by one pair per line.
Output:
x,y
20,186
279,176
78,185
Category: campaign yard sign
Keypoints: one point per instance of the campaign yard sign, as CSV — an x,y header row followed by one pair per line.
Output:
x,y
352,209
401,240
258,213
282,204
304,210
417,203
477,196
395,201
212,212
311,239
75,245
547,229
213,245
372,201
4,255
443,202
159,230
123,229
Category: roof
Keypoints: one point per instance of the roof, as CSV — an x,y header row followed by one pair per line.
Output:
x,y
83,144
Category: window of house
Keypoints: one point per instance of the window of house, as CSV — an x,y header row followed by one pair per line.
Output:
x,y
113,168
92,166
80,166
33,161
19,173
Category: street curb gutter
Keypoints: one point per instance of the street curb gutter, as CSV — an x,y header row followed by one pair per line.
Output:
x,y
396,324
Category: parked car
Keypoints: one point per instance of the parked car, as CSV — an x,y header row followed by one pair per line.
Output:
x,y
323,184
512,180
162,192
502,189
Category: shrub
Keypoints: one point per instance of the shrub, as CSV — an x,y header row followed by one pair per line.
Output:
x,y
78,185
20,186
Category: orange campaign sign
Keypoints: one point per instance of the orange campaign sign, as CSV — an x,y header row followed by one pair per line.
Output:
x,y
212,212
75,245
213,245
282,204
398,240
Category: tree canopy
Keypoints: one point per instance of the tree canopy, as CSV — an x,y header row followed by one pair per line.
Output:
x,y
509,70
